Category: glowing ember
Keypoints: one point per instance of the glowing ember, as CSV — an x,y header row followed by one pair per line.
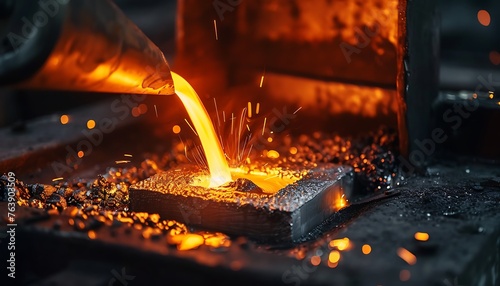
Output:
x,y
91,234
315,260
217,164
340,200
421,236
341,244
176,129
407,256
64,119
484,17
91,124
334,257
366,249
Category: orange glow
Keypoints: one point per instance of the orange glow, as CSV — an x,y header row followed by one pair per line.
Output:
x,y
340,244
332,265
215,29
293,150
421,236
80,154
190,241
269,139
217,164
91,234
91,124
176,129
334,257
495,58
64,119
136,112
339,200
407,256
143,108
366,249
273,154
484,17
120,60
249,110
315,260
342,98
217,240
270,181
404,275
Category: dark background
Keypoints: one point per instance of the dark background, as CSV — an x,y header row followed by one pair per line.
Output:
x,y
466,51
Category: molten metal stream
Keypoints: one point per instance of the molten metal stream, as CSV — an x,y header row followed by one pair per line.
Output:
x,y
217,164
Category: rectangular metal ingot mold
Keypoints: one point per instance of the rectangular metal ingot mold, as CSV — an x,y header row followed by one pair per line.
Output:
x,y
242,207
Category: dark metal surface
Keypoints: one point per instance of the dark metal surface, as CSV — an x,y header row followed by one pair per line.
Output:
x,y
285,216
459,210
418,76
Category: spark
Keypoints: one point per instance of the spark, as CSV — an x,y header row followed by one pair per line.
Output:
x,y
334,256
57,179
249,109
128,155
249,151
421,236
315,260
64,119
201,158
341,243
262,78
248,127
247,139
122,162
366,249
91,124
185,151
257,108
232,123
264,126
221,141
243,112
216,33
176,129
224,115
190,126
217,111
156,111
297,110
407,256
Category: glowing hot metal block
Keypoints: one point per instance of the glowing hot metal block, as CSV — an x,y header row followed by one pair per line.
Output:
x,y
243,208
